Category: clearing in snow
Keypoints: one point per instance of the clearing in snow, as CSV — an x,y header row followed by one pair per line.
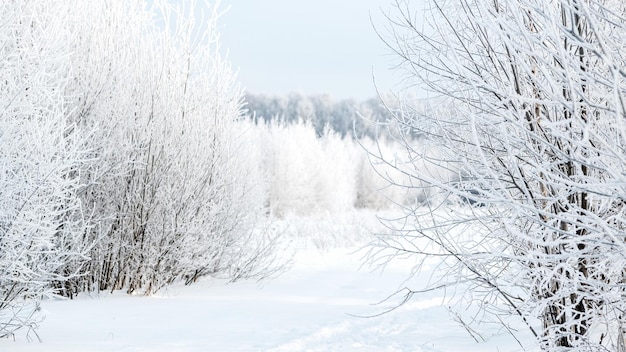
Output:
x,y
325,302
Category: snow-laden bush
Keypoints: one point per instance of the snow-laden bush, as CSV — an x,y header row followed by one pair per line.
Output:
x,y
169,191
123,165
40,212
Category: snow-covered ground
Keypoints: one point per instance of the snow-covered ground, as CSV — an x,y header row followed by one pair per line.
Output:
x,y
321,304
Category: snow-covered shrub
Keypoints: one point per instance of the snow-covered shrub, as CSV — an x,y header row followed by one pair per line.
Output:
x,y
339,168
312,174
169,192
40,151
294,169
120,143
308,174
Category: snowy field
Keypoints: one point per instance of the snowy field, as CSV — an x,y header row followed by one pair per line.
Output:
x,y
327,301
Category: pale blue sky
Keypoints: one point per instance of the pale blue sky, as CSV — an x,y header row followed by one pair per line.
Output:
x,y
312,46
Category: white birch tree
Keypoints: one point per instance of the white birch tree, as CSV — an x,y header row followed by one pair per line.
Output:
x,y
528,105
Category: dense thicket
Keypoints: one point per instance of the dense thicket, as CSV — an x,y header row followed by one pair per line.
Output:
x,y
309,174
168,195
121,164
349,117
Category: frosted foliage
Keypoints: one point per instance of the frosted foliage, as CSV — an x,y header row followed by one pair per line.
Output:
x,y
386,178
168,188
123,166
531,114
374,189
315,175
340,169
294,166
39,210
308,174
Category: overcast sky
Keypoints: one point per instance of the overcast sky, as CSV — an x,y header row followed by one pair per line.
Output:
x,y
311,46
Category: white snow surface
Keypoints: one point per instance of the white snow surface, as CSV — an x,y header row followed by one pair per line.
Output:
x,y
318,305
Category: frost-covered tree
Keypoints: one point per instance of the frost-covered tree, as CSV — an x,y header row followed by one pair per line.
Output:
x,y
529,107
40,151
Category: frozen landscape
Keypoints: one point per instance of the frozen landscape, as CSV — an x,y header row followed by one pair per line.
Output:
x,y
325,302
149,202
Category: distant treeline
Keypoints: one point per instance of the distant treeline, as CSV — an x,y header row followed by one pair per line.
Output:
x,y
346,116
